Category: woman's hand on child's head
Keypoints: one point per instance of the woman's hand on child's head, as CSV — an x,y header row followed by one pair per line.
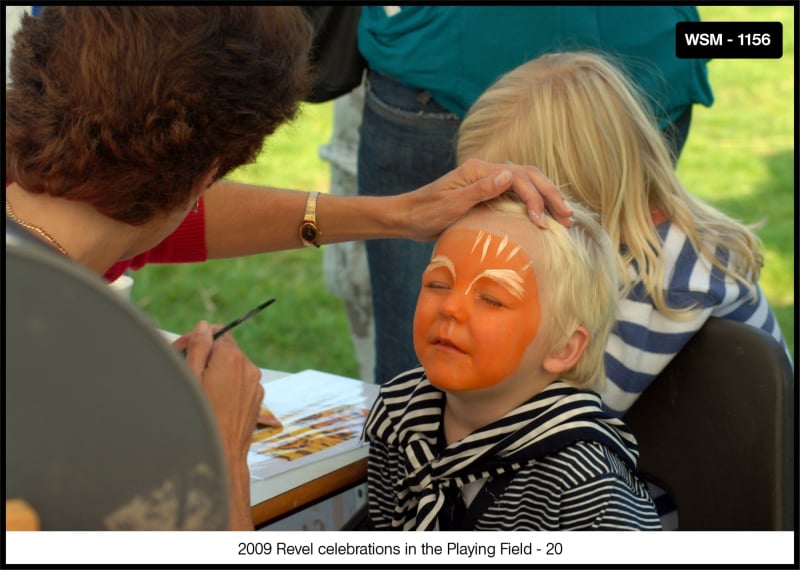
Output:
x,y
539,193
437,205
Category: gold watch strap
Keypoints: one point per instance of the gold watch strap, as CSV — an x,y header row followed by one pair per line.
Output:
x,y
311,208
309,232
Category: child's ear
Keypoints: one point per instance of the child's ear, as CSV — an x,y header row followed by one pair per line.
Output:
x,y
563,358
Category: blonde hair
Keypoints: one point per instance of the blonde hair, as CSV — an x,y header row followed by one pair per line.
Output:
x,y
580,285
578,119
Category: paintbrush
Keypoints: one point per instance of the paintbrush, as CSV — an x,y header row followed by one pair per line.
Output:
x,y
238,321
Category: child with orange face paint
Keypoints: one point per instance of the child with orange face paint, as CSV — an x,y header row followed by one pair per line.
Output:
x,y
501,428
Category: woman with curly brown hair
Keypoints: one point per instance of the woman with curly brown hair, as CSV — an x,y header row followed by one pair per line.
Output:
x,y
121,122
137,111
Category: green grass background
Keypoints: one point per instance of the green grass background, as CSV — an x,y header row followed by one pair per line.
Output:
x,y
739,157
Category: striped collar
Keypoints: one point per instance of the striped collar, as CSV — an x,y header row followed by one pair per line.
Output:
x,y
556,417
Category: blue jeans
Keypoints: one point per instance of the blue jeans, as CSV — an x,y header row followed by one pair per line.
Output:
x,y
407,141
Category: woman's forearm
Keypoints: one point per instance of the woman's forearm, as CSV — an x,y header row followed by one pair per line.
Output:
x,y
242,219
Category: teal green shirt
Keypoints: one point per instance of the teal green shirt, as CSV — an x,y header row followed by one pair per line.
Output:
x,y
456,52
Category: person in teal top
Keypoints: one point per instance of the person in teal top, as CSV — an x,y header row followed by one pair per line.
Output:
x,y
455,52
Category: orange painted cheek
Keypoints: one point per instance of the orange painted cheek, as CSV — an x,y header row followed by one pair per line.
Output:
x,y
490,371
420,333
425,316
503,346
498,356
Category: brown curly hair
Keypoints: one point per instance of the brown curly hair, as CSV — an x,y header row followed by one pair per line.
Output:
x,y
128,107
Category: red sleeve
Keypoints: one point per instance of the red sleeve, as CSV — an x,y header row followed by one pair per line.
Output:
x,y
186,244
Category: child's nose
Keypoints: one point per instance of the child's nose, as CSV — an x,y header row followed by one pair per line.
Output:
x,y
453,306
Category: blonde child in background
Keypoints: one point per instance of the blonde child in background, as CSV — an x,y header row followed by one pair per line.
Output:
x,y
681,261
500,429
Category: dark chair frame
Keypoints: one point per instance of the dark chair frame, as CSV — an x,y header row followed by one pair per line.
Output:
x,y
717,429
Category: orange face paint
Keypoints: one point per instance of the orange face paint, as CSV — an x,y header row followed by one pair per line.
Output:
x,y
477,312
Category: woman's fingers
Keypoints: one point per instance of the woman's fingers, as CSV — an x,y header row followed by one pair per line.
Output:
x,y
539,194
534,188
198,347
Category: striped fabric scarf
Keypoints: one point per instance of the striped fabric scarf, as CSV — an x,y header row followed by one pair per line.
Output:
x,y
554,418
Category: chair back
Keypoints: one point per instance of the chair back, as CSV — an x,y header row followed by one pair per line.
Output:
x,y
716,430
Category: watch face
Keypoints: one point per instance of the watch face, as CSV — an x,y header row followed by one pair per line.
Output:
x,y
309,232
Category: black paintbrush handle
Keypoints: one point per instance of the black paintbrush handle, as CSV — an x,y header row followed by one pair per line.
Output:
x,y
238,321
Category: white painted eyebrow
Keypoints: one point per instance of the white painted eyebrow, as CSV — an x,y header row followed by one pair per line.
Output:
x,y
441,261
507,278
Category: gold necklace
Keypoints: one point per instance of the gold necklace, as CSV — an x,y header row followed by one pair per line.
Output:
x,y
36,229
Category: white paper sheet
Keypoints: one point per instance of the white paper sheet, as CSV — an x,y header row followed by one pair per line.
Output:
x,y
322,414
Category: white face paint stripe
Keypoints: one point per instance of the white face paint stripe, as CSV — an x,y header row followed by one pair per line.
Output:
x,y
507,278
486,247
477,241
512,253
502,246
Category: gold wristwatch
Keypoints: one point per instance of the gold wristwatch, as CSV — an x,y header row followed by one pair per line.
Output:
x,y
309,232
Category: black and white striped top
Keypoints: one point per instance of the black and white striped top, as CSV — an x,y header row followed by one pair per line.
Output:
x,y
567,465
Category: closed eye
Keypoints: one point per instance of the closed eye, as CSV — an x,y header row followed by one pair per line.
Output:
x,y
491,301
437,285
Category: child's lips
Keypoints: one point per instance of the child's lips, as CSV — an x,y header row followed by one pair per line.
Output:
x,y
447,345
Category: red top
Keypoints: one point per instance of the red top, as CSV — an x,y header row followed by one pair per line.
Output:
x,y
186,244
